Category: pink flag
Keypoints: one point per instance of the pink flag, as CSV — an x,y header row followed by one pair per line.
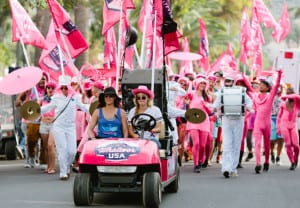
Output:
x,y
169,28
186,66
222,62
50,60
245,37
257,40
283,28
111,12
203,47
263,13
257,64
75,41
232,62
129,55
110,49
147,11
172,42
23,27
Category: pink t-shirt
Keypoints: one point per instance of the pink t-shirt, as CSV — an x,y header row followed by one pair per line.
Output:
x,y
286,118
198,102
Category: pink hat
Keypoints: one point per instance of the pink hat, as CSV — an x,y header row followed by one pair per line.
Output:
x,y
143,89
200,76
212,78
99,85
87,85
196,82
51,84
189,73
185,79
244,79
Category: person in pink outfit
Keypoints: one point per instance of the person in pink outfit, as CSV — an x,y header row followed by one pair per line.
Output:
x,y
242,80
45,129
199,131
262,125
286,124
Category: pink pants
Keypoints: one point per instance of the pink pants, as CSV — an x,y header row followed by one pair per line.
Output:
x,y
245,131
199,141
291,139
81,125
264,130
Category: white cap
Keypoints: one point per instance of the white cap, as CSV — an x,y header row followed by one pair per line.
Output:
x,y
64,80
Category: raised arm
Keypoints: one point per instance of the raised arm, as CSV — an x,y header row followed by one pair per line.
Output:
x,y
275,88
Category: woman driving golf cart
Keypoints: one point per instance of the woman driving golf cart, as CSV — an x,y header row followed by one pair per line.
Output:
x,y
143,100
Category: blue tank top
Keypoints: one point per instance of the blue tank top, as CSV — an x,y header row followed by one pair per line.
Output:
x,y
108,128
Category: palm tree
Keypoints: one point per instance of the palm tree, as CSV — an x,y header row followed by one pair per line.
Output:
x,y
81,13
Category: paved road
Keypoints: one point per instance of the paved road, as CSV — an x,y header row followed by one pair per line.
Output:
x,y
278,188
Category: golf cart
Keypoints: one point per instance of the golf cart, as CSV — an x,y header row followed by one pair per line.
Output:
x,y
127,164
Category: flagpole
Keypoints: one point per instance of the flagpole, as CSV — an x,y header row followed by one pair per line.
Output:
x,y
142,57
25,52
76,71
28,64
61,36
153,53
61,60
119,46
137,56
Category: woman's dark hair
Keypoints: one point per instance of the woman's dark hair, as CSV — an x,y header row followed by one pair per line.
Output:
x,y
102,103
89,93
205,95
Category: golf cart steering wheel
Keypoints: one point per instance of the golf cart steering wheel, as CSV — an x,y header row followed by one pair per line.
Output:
x,y
143,122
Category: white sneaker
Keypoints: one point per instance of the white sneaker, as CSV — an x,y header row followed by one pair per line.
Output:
x,y
26,165
43,166
234,175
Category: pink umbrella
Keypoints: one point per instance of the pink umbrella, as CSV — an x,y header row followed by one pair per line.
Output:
x,y
185,56
20,80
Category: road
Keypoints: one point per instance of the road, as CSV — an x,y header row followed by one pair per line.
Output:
x,y
278,188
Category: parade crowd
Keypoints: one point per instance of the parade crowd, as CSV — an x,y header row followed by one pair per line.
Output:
x,y
265,125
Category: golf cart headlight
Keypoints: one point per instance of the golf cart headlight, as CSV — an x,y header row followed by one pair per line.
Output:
x,y
116,169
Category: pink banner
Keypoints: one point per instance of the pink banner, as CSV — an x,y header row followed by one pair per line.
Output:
x,y
23,27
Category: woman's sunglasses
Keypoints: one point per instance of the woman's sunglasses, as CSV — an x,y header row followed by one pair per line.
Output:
x,y
64,88
141,97
109,96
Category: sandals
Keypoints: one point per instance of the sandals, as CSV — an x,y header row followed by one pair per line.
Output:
x,y
50,171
